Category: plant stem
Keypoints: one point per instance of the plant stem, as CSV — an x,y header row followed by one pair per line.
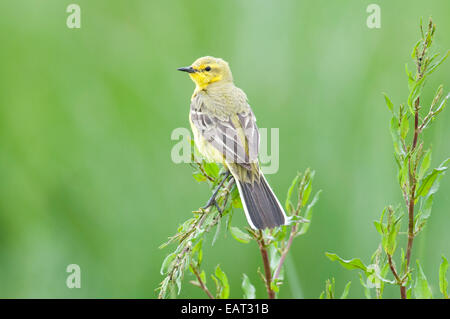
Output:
x,y
403,292
392,266
412,195
294,228
285,251
202,284
200,167
412,168
266,263
397,278
195,230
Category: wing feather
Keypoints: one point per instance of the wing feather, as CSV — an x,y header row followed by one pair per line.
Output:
x,y
235,136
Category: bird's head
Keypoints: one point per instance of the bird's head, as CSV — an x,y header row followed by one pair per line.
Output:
x,y
207,70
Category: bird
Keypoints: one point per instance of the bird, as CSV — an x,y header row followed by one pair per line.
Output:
x,y
225,131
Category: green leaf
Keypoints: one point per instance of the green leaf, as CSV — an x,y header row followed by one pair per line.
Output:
x,y
366,288
248,288
274,257
198,252
224,291
421,288
430,183
280,233
404,127
239,235
354,263
383,274
421,28
437,110
442,105
409,293
218,286
217,232
288,204
237,203
390,231
437,64
437,96
375,277
308,187
203,276
165,264
212,169
411,80
372,280
426,205
395,134
414,51
199,177
275,285
308,214
425,165
403,170
378,226
389,104
415,92
390,240
178,281
235,198
346,290
381,218
329,289
443,284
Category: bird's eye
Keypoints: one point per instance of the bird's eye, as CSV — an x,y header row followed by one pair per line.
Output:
x,y
208,68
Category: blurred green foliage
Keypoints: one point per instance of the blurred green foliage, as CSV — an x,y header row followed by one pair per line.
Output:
x,y
86,116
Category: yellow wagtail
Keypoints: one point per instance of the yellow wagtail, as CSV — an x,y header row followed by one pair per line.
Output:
x,y
225,131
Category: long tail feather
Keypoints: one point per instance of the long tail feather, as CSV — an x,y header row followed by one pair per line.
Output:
x,y
261,206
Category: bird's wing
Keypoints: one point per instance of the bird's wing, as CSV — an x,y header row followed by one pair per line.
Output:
x,y
235,136
247,121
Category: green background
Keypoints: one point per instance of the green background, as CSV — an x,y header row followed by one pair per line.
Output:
x,y
86,116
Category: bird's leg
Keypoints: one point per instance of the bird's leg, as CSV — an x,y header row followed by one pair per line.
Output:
x,y
218,208
225,172
212,199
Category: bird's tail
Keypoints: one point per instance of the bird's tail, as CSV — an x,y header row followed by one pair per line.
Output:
x,y
261,206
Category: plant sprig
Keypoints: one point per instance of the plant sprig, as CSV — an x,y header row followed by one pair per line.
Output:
x,y
274,244
418,183
189,236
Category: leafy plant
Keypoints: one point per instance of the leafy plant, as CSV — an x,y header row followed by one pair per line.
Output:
x,y
274,244
418,184
329,292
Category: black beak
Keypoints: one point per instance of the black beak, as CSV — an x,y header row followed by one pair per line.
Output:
x,y
188,69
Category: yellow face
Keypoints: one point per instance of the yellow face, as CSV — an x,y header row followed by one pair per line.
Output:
x,y
207,70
